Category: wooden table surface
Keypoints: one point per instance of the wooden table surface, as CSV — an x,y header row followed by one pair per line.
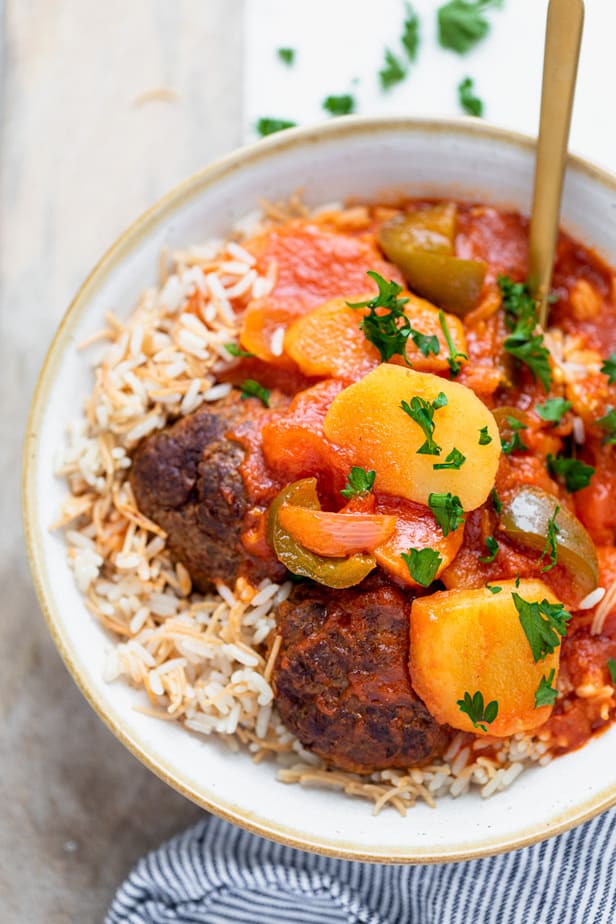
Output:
x,y
87,142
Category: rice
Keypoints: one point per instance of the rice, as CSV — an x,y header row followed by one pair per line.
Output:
x,y
207,661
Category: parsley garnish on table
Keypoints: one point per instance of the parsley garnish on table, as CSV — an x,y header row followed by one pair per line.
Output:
x,y
523,343
470,103
447,511
423,564
461,23
268,126
339,105
252,389
550,548
286,55
575,473
410,33
544,624
553,409
473,707
422,412
394,69
358,482
546,694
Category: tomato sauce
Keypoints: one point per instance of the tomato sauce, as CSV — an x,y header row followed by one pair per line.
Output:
x,y
316,259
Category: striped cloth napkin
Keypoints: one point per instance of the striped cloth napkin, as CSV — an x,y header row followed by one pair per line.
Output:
x,y
215,873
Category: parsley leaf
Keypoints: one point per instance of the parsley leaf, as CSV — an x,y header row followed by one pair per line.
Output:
x,y
447,511
484,436
392,72
543,623
422,412
545,694
550,548
286,55
575,473
410,33
236,350
422,564
473,707
609,368
387,332
461,23
608,423
521,319
611,666
252,389
339,105
268,125
359,481
455,460
453,360
492,547
553,409
516,443
493,588
470,103
498,504
425,343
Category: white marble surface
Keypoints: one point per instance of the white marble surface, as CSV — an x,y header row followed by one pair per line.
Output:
x,y
84,150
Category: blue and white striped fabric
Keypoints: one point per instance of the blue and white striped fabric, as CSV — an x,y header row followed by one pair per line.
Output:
x,y
215,873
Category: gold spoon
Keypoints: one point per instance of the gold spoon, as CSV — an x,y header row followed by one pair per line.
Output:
x,y
562,50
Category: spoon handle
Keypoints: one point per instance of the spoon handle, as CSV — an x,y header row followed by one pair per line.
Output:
x,y
562,50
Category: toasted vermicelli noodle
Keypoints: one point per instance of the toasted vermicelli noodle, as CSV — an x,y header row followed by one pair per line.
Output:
x,y
206,660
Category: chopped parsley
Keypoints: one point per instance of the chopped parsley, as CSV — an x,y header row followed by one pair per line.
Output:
x,y
611,666
493,588
521,319
470,103
268,125
608,423
236,350
387,332
550,548
484,436
393,71
455,460
453,360
498,504
286,55
252,389
447,511
358,482
576,474
425,343
479,715
339,105
492,547
609,368
410,33
517,580
544,624
546,694
422,412
461,23
516,443
553,409
422,564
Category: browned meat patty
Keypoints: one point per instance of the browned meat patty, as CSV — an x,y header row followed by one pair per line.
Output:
x,y
341,679
187,479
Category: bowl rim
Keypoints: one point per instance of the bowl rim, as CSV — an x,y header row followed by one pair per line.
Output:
x,y
197,182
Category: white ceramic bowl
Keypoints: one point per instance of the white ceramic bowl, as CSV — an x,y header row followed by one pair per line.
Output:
x,y
350,157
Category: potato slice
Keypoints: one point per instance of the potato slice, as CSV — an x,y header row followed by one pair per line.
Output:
x,y
367,419
469,640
